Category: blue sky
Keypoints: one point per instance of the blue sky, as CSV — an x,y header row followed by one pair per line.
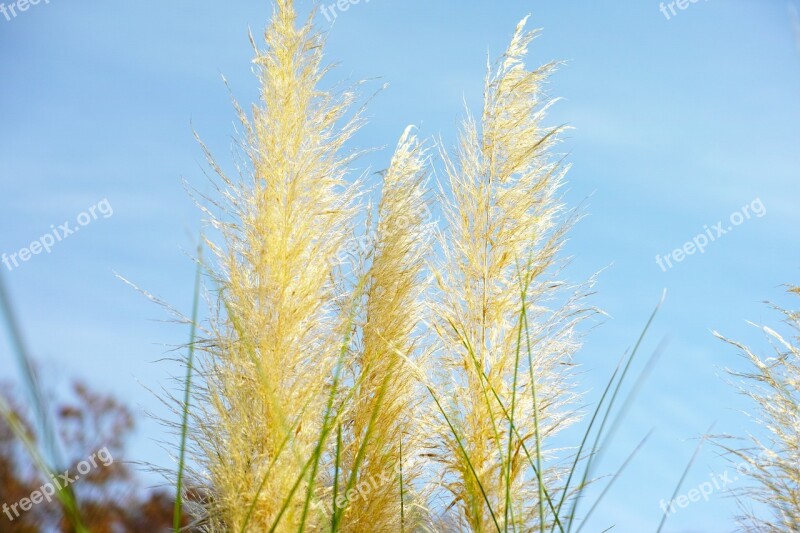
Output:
x,y
677,124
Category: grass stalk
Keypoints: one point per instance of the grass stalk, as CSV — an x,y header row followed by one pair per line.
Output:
x,y
48,464
178,508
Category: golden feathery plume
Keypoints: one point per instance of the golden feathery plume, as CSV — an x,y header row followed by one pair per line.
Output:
x,y
506,355
382,436
268,364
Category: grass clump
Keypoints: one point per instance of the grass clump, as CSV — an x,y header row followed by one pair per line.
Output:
x,y
413,380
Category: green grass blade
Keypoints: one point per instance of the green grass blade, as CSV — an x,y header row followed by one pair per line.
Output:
x,y
484,380
265,478
587,433
626,405
287,500
537,436
329,409
509,514
683,478
337,467
177,512
363,447
593,454
326,426
508,417
466,456
402,495
614,478
600,450
25,361
66,495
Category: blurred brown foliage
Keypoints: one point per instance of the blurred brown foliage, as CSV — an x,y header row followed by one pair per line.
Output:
x,y
109,497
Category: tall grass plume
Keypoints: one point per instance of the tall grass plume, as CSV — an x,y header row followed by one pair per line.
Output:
x,y
506,389
268,363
